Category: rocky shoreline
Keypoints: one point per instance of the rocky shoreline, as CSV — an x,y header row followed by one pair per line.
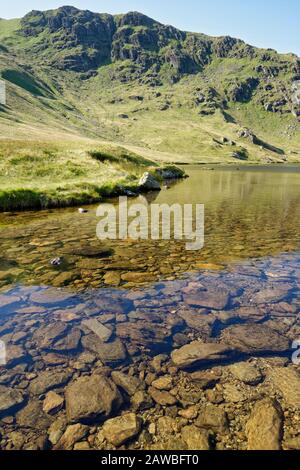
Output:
x,y
194,364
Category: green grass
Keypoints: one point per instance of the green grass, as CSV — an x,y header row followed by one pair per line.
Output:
x,y
36,175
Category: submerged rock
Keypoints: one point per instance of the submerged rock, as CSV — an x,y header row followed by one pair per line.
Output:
x,y
255,338
119,430
112,353
246,373
103,333
197,352
265,426
287,382
9,399
126,382
49,380
91,398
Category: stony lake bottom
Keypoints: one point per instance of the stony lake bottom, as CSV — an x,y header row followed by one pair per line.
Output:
x,y
144,345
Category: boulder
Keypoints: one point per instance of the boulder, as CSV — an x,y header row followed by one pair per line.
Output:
x,y
128,383
91,398
10,399
287,381
73,434
246,373
265,426
53,403
195,438
112,353
119,430
253,338
161,397
213,418
196,352
149,183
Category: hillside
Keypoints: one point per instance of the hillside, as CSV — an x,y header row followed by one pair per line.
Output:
x,y
166,94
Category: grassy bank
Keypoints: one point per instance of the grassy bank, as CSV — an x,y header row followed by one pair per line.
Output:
x,y
38,175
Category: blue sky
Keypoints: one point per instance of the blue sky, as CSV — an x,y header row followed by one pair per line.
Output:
x,y
263,23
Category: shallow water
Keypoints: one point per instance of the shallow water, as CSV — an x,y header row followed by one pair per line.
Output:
x,y
152,297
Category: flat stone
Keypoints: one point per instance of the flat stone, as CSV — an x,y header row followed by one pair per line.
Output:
x,y
103,333
138,277
255,338
129,384
163,398
270,294
287,381
73,434
14,355
112,353
195,438
53,403
49,380
265,426
51,297
197,352
119,430
213,418
91,398
33,417
246,373
215,299
57,429
10,399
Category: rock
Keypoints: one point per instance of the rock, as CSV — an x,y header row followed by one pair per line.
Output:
x,y
57,429
162,397
195,438
112,353
91,398
91,252
15,355
49,380
112,278
51,297
119,430
129,384
287,381
141,401
196,352
216,299
292,444
73,434
10,399
103,333
163,383
79,446
213,418
32,416
17,439
252,338
189,413
137,277
246,373
265,426
205,379
53,403
149,183
233,394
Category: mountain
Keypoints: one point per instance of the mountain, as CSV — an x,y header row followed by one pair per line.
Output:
x,y
173,95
